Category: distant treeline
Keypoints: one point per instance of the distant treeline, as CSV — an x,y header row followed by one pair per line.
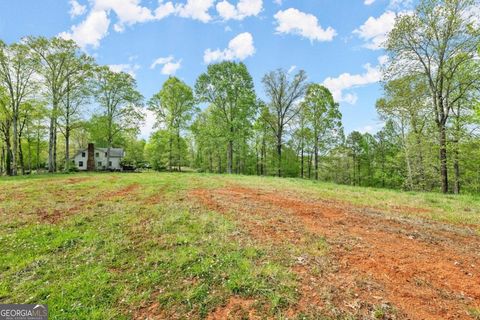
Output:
x,y
430,111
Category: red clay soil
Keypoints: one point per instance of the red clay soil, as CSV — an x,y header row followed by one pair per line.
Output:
x,y
123,191
427,270
235,308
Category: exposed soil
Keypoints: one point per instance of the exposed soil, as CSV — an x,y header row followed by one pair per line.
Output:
x,y
235,308
425,269
53,217
123,191
77,180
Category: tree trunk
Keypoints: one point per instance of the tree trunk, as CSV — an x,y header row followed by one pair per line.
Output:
x,y
179,153
230,157
309,159
263,156
302,160
38,149
15,144
456,171
443,158
20,155
8,153
55,146
2,160
29,154
51,142
279,155
170,152
316,159
108,153
67,147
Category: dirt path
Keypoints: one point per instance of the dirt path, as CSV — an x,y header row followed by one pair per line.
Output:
x,y
427,270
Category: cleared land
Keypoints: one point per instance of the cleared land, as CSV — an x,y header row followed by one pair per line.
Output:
x,y
167,246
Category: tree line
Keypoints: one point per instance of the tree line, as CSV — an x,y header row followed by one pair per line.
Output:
x,y
429,108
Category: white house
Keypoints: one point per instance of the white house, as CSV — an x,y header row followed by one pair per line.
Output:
x,y
93,158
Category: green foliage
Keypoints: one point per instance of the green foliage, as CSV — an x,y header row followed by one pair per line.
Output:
x,y
174,108
228,88
116,93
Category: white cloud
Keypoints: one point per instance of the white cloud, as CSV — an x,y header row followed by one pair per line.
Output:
x,y
192,9
278,2
131,69
243,9
128,12
95,26
164,10
375,30
292,68
89,32
195,9
400,5
371,128
149,124
368,2
169,65
76,8
347,81
293,21
240,47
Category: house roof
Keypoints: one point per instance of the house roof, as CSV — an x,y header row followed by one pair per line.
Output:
x,y
114,152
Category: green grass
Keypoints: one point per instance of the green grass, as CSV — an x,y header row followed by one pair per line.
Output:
x,y
121,252
114,252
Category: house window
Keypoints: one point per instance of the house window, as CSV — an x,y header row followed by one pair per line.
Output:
x,y
97,154
83,154
99,163
80,163
105,154
109,163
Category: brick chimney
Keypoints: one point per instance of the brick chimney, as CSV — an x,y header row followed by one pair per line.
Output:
x,y
91,158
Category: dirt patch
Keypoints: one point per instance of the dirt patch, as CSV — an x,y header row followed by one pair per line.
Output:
x,y
123,191
77,180
427,270
50,217
235,308
151,312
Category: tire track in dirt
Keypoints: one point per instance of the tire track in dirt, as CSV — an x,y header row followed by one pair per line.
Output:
x,y
427,270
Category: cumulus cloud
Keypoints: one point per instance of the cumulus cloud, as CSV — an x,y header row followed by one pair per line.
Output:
x,y
169,65
195,9
164,10
89,32
128,12
239,48
347,81
293,21
76,8
95,26
243,9
131,69
375,30
368,2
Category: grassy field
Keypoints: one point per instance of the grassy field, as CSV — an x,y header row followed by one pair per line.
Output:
x,y
175,246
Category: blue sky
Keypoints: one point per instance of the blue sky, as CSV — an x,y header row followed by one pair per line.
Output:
x,y
337,42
